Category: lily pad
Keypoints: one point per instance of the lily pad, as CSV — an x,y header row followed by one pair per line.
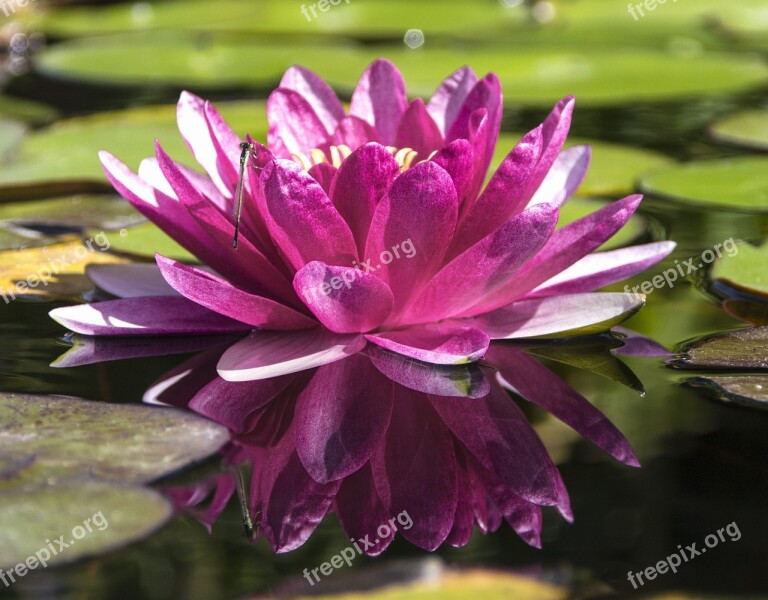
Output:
x,y
72,212
72,438
93,517
146,240
16,238
747,270
62,158
26,111
11,133
55,271
740,349
748,129
734,183
745,390
755,313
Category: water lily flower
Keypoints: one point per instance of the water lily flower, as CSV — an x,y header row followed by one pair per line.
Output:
x,y
368,227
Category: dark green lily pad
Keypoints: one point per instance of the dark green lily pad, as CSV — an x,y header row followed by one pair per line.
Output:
x,y
146,240
755,313
740,349
26,111
72,212
72,438
745,390
747,270
734,183
11,133
63,158
748,129
93,518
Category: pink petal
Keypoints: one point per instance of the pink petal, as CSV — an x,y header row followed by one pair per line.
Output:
x,y
599,269
555,314
222,297
344,299
304,223
458,160
324,174
534,382
341,418
354,132
418,131
380,99
363,178
437,344
317,92
420,209
485,267
294,127
267,354
446,102
152,315
130,281
564,177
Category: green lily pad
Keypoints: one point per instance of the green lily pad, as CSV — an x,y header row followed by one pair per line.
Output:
x,y
734,183
531,75
147,239
17,238
72,438
745,390
577,208
748,129
63,159
747,270
755,313
93,518
72,212
740,349
361,18
26,111
11,133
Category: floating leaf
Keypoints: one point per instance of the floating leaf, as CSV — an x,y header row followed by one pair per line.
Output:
x,y
15,238
27,111
63,158
734,183
73,438
147,239
747,270
740,349
748,129
93,517
55,271
746,390
11,133
72,212
752,312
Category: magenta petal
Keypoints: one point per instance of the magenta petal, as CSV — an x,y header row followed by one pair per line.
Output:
x,y
458,160
270,354
439,344
222,297
152,315
537,384
486,95
415,471
324,174
565,176
446,102
344,299
597,270
130,281
354,132
304,223
418,131
380,99
411,229
555,314
497,433
317,92
294,127
341,418
361,512
485,267
362,180
566,246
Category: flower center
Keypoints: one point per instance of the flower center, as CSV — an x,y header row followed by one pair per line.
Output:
x,y
404,157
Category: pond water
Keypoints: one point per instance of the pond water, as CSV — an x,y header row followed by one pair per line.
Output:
x,y
704,454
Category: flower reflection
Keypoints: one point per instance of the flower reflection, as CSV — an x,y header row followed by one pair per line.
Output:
x,y
377,434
